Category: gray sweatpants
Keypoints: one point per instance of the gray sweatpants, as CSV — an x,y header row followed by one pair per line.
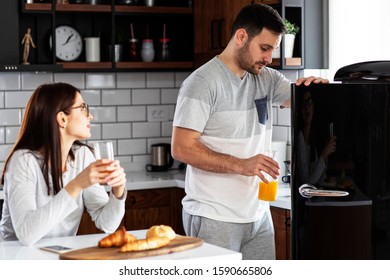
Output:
x,y
254,240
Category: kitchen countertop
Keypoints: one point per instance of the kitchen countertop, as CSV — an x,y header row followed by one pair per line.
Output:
x,y
13,250
142,180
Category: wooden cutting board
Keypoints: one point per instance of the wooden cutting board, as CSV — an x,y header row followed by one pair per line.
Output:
x,y
180,243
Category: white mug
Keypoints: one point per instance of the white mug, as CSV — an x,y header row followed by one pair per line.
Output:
x,y
92,49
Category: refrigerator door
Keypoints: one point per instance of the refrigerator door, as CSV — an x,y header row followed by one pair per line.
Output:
x,y
340,145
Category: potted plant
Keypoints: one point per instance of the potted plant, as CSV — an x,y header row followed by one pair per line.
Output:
x,y
289,38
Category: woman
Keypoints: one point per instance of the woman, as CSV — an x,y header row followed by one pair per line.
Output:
x,y
50,176
311,165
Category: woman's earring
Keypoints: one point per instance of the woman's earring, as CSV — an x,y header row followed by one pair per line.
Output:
x,y
64,126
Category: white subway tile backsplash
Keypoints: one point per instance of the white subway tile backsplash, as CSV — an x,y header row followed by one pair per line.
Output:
x,y
17,99
10,81
4,151
169,96
11,134
158,113
131,113
171,112
132,147
133,109
180,77
131,80
116,97
146,129
30,80
139,162
10,117
75,79
2,135
96,131
166,129
103,114
160,79
145,96
92,97
284,116
116,130
100,80
2,99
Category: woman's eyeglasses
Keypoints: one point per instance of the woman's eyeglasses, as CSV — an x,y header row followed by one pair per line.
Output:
x,y
84,107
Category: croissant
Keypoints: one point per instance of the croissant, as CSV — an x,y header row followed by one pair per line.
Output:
x,y
153,242
161,231
117,239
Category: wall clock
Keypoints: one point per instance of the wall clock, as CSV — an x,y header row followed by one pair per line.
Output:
x,y
69,44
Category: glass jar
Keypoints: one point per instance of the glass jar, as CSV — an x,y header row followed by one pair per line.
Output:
x,y
147,52
133,55
164,50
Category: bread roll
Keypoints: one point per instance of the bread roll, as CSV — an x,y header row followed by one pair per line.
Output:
x,y
117,239
153,242
161,231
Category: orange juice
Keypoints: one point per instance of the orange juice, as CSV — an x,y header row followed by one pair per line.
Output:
x,y
268,191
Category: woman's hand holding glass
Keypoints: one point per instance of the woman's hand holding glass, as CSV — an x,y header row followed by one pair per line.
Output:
x,y
114,174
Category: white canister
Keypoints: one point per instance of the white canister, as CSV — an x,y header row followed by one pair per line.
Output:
x,y
92,49
147,51
280,147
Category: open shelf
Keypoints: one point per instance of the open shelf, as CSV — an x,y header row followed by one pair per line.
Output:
x,y
292,61
86,65
152,10
82,8
155,65
38,7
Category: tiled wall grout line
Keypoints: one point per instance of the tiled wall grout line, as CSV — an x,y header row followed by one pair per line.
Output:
x,y
107,92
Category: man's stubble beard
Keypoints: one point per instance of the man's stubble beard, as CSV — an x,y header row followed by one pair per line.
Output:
x,y
245,62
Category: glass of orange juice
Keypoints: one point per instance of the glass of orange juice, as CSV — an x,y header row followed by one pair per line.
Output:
x,y
268,191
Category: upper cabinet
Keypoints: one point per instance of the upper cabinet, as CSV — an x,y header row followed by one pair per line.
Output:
x,y
213,21
60,28
184,33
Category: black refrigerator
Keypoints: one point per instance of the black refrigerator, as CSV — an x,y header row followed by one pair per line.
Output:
x,y
340,166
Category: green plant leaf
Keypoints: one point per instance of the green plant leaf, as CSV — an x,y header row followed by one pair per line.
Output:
x,y
292,28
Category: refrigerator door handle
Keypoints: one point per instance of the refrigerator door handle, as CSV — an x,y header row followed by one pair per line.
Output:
x,y
304,188
308,191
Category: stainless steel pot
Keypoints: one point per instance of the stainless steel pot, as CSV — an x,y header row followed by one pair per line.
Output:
x,y
162,159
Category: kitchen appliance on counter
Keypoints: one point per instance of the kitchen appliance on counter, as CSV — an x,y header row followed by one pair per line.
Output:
x,y
341,205
162,158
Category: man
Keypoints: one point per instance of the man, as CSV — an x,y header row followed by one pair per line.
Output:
x,y
221,128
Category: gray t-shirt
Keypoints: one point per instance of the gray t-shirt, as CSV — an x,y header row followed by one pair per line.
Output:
x,y
30,214
234,117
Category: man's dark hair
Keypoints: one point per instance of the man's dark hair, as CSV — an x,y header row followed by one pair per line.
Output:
x,y
253,18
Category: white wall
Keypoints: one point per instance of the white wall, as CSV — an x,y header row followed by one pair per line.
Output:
x,y
359,30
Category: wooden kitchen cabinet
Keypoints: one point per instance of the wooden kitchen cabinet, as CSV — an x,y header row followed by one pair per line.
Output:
x,y
108,20
282,223
145,208
214,19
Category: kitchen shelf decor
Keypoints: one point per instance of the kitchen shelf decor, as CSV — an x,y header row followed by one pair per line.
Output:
x,y
98,20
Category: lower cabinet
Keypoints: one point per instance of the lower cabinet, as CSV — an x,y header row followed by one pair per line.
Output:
x,y
282,224
145,208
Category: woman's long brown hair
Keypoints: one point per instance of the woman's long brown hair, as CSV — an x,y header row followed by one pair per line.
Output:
x,y
40,131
